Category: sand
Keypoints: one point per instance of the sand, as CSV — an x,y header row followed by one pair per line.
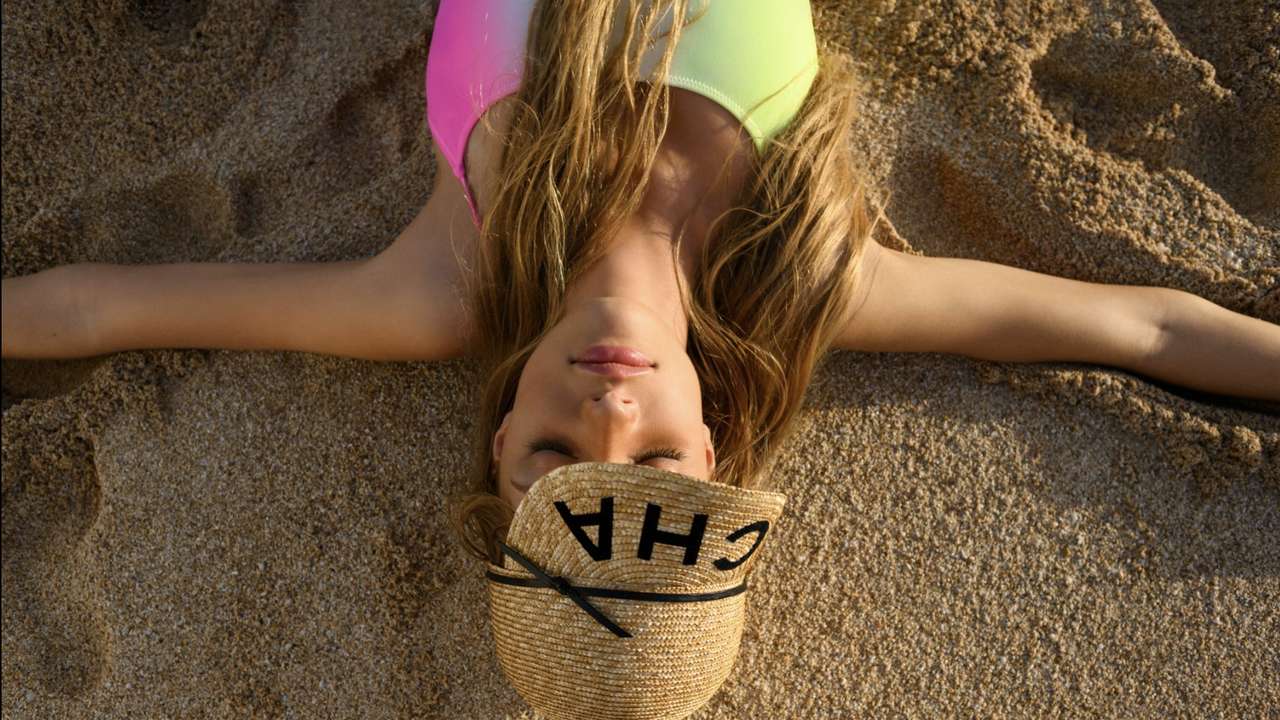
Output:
x,y
261,535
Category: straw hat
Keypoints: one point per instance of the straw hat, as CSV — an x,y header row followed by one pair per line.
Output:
x,y
621,590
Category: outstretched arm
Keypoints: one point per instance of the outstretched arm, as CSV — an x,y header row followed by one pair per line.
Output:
x,y
994,312
405,303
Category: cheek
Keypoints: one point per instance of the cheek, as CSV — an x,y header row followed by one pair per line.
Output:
x,y
688,394
544,392
509,494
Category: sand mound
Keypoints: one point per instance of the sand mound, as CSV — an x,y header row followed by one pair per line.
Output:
x,y
195,534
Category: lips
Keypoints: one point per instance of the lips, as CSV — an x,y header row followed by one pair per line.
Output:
x,y
613,361
613,354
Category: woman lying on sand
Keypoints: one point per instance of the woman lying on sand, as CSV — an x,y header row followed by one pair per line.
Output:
x,y
660,269
650,246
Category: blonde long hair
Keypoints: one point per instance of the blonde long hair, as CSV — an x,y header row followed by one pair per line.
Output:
x,y
776,275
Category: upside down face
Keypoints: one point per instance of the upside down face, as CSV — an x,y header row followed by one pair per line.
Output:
x,y
609,383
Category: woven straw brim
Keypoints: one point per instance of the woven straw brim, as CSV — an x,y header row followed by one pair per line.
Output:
x,y
563,662
678,657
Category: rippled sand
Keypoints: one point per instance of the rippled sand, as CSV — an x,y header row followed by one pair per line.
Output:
x,y
233,535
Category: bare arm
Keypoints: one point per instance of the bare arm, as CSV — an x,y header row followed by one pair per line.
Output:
x,y
405,303
994,312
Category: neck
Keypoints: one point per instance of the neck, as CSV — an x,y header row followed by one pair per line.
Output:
x,y
639,267
698,173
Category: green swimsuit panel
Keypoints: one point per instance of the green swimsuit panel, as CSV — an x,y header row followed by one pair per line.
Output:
x,y
757,58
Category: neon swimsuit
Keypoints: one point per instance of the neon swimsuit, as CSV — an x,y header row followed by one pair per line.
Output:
x,y
756,58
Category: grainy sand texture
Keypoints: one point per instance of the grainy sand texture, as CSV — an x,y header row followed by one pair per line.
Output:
x,y
262,535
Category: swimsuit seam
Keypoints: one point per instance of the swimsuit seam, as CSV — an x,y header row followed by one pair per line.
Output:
x,y
718,95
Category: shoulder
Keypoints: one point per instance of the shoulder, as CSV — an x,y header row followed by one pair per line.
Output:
x,y
419,284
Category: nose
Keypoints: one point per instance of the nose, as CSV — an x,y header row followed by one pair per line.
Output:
x,y
611,418
611,410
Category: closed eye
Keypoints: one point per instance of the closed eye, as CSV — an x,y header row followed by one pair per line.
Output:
x,y
548,444
668,453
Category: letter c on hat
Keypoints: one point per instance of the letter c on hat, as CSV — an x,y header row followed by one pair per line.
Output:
x,y
760,528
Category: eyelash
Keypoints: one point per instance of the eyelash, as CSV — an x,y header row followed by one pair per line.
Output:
x,y
540,445
668,453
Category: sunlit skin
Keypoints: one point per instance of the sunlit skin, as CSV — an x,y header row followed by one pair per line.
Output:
x,y
408,303
564,414
632,297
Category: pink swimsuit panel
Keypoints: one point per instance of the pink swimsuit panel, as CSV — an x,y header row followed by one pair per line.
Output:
x,y
756,58
476,59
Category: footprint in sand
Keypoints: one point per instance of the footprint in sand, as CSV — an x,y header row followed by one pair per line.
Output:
x,y
55,631
183,216
171,20
374,126
1141,91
